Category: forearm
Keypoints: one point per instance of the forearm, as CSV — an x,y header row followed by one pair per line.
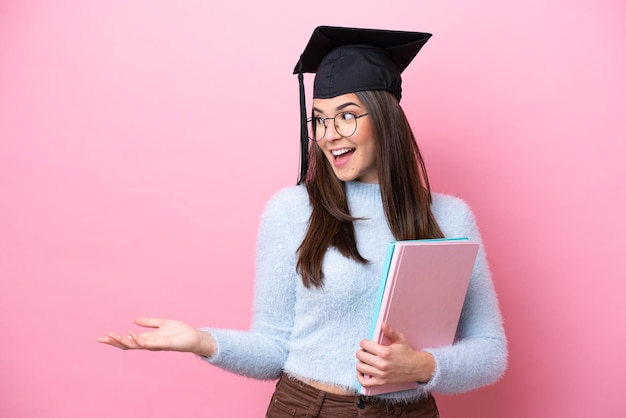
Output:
x,y
248,353
467,365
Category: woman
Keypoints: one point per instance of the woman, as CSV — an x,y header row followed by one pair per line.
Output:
x,y
321,247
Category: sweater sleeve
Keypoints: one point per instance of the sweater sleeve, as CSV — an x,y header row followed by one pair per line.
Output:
x,y
261,351
479,355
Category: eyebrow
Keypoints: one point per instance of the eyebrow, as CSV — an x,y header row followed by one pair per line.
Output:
x,y
338,108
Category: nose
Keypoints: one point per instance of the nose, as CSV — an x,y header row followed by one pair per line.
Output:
x,y
331,133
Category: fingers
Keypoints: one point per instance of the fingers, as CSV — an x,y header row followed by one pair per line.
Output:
x,y
391,337
151,341
164,335
374,359
392,334
116,340
375,356
373,349
373,362
367,380
146,322
137,339
370,375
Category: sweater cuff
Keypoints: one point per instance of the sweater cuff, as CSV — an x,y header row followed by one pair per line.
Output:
x,y
218,337
434,379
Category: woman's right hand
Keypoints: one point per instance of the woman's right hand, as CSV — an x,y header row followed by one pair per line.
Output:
x,y
167,335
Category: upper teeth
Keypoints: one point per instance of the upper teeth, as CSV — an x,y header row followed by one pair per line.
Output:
x,y
338,152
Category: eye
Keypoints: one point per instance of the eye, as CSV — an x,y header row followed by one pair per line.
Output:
x,y
347,116
318,120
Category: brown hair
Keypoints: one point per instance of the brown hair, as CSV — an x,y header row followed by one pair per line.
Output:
x,y
404,190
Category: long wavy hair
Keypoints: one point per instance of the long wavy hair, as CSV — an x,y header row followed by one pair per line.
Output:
x,y
404,190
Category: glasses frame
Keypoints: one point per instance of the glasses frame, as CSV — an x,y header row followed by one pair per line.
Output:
x,y
310,120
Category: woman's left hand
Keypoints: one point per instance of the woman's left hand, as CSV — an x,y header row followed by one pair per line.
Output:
x,y
394,363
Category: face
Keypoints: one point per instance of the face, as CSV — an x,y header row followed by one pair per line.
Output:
x,y
354,157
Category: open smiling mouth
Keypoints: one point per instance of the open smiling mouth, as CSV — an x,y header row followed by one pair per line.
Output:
x,y
344,152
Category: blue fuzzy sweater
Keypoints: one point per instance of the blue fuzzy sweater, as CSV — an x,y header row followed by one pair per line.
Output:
x,y
314,333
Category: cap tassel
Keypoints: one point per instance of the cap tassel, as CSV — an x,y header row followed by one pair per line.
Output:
x,y
304,139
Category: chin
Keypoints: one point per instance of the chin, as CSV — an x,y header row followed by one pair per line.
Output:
x,y
345,178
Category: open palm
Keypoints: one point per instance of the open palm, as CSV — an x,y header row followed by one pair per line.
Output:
x,y
167,335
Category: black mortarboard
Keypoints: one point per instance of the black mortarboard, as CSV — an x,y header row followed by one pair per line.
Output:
x,y
348,60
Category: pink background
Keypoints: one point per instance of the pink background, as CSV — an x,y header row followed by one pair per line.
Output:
x,y
139,141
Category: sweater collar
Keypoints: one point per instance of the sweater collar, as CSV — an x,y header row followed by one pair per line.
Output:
x,y
360,193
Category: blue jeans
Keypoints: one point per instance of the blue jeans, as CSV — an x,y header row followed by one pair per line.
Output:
x,y
293,399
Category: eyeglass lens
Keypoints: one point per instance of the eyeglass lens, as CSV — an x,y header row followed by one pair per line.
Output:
x,y
344,123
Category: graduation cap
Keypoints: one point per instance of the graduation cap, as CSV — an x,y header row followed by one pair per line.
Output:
x,y
348,60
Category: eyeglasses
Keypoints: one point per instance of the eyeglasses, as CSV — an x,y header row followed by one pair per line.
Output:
x,y
344,123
